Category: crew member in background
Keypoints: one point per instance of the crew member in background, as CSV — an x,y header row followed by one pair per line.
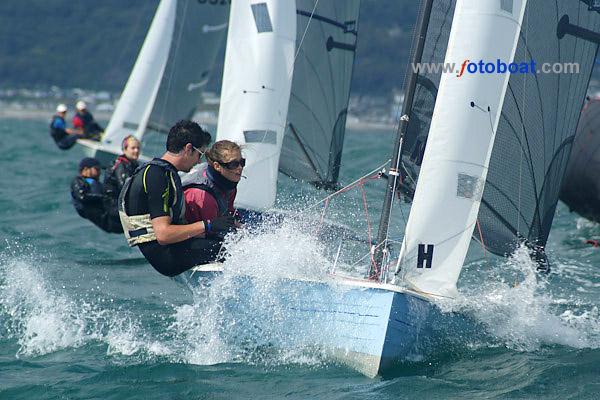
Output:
x,y
210,191
87,195
85,124
64,137
152,207
123,167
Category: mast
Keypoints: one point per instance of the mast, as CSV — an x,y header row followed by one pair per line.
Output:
x,y
394,172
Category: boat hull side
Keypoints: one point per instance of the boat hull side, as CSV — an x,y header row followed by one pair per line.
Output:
x,y
365,328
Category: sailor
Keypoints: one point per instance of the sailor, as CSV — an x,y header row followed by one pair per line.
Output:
x,y
64,137
87,195
152,207
210,191
84,122
123,167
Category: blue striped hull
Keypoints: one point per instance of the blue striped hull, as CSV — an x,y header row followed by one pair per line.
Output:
x,y
367,326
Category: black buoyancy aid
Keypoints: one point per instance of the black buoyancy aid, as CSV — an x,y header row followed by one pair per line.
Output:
x,y
87,120
85,188
112,183
57,133
138,228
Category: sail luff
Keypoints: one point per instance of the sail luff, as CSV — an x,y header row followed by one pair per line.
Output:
x,y
131,112
461,137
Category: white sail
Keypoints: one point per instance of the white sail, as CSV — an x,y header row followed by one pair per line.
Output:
x,y
134,107
257,81
461,137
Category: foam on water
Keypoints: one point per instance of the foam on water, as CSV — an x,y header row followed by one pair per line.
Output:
x,y
514,306
519,310
44,318
43,315
255,331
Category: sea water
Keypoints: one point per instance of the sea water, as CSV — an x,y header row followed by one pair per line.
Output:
x,y
84,316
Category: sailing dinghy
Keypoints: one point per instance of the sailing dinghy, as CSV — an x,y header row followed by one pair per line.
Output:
x,y
174,64
487,154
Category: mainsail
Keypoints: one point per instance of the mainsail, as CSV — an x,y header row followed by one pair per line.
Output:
x,y
174,63
539,114
316,122
198,37
539,118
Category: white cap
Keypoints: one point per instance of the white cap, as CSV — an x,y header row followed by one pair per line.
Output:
x,y
61,108
80,105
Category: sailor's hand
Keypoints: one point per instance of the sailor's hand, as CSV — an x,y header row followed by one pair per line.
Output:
x,y
220,226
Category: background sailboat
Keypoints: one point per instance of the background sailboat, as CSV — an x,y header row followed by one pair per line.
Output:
x,y
165,85
286,86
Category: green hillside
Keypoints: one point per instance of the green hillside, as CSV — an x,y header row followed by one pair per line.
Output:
x,y
93,44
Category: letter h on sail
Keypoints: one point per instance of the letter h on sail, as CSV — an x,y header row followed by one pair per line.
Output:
x,y
425,256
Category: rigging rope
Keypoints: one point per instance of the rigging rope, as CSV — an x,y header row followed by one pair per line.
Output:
x,y
368,176
376,173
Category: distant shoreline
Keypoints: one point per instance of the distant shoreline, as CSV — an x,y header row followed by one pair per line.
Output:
x,y
29,114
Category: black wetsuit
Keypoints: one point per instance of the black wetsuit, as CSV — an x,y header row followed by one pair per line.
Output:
x,y
63,140
121,169
88,199
156,198
115,179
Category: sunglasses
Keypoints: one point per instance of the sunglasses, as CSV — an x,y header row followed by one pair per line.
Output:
x,y
234,164
199,152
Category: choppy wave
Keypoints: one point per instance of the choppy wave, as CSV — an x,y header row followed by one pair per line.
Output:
x,y
44,316
515,308
520,309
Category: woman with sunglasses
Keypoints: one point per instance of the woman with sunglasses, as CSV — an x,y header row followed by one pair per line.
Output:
x,y
210,191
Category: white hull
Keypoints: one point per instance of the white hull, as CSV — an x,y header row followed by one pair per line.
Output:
x,y
365,325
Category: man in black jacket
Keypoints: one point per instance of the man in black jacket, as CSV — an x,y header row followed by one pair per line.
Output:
x,y
87,195
152,207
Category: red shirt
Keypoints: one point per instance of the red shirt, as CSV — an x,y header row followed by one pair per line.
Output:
x,y
201,206
77,121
